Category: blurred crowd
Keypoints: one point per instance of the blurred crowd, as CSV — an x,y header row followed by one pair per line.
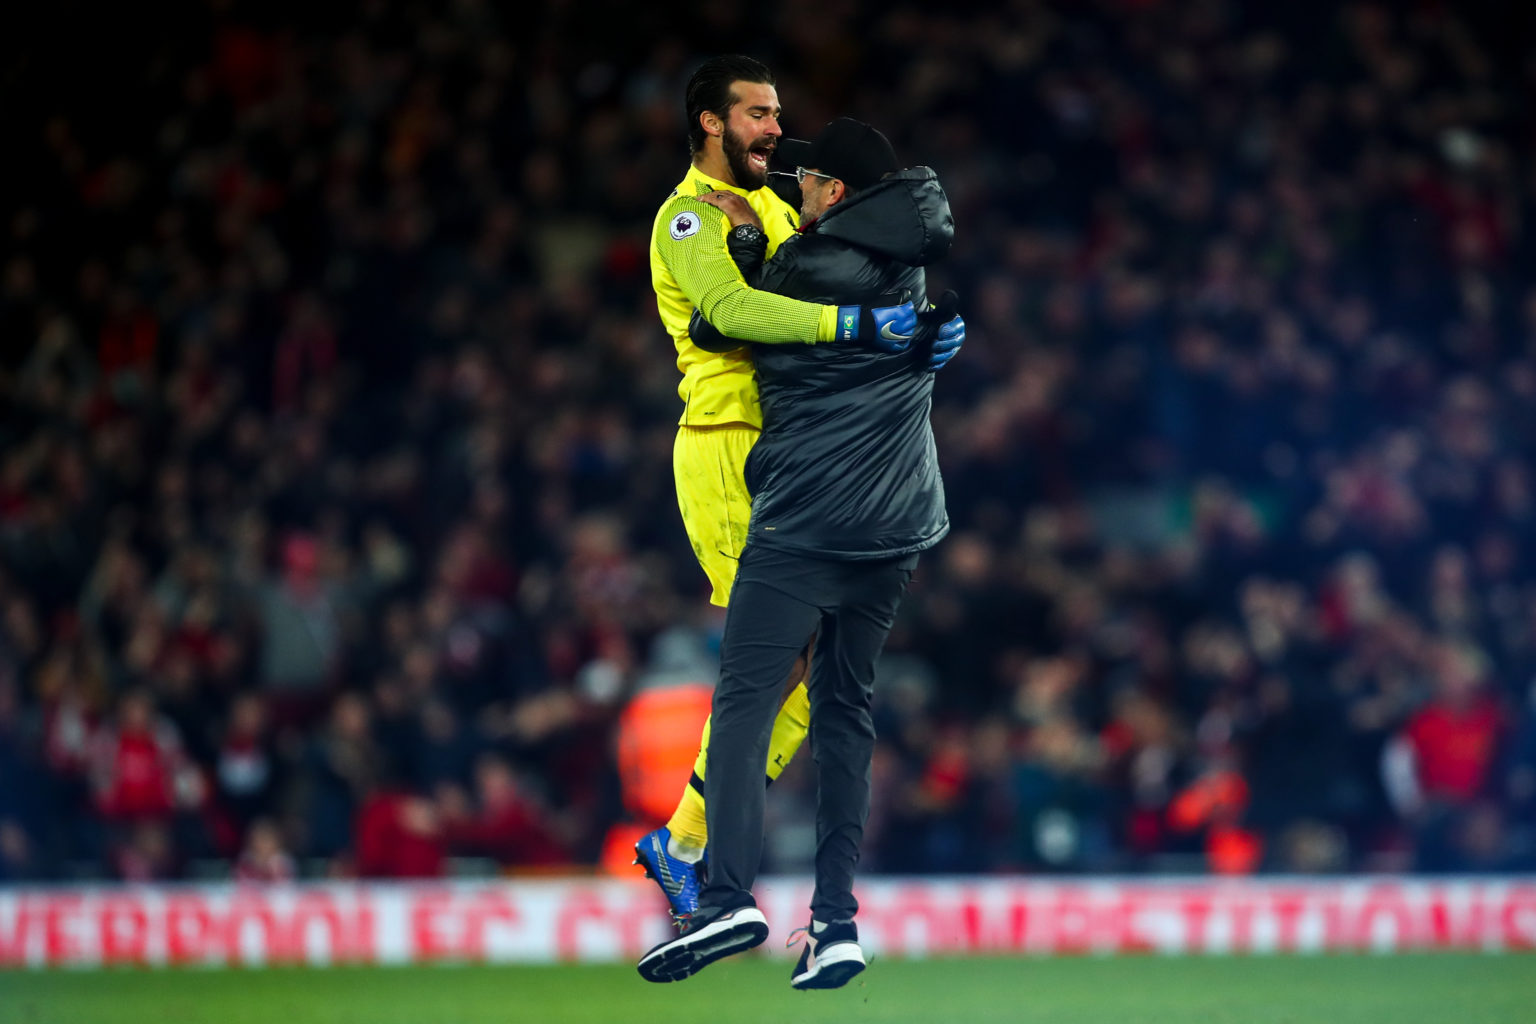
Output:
x,y
336,515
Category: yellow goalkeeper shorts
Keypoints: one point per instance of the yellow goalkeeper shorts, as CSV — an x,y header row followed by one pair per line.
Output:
x,y
708,464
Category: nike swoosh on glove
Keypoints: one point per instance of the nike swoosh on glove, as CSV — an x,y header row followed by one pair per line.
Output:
x,y
887,328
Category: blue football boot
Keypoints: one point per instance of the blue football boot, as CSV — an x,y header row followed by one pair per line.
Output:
x,y
678,879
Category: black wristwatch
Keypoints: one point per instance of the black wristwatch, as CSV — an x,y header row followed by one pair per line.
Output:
x,y
748,234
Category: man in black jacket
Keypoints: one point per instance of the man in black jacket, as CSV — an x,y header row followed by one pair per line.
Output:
x,y
845,494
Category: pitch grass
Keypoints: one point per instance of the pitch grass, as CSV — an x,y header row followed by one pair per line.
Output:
x,y
1354,989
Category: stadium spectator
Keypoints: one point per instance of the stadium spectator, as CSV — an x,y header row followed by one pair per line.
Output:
x,y
440,748
506,822
399,835
138,768
23,791
340,769
1441,768
1059,799
300,627
146,852
263,858
247,766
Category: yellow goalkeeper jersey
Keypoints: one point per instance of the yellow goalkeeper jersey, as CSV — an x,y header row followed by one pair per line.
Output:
x,y
690,268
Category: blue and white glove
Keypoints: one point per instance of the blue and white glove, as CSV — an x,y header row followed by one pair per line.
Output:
x,y
887,328
951,330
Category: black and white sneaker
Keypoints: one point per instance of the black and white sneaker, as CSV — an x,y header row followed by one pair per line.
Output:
x,y
830,958
704,940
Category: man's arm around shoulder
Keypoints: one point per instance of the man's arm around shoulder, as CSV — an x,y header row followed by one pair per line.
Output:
x,y
690,240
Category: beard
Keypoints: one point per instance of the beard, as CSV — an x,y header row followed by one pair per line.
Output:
x,y
735,150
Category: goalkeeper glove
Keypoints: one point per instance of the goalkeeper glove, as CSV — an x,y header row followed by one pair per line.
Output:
x,y
951,331
887,328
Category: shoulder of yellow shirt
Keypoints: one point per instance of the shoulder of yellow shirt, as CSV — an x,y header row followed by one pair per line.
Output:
x,y
740,311
780,218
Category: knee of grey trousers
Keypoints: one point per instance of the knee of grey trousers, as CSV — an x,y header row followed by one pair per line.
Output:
x,y
765,630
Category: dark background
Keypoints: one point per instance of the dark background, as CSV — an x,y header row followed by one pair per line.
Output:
x,y
336,515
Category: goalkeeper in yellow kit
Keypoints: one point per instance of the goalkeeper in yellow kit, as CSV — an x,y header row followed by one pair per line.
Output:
x,y
733,128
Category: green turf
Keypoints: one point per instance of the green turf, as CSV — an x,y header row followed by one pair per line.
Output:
x,y
1435,989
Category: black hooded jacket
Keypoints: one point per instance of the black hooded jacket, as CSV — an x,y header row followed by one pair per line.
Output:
x,y
846,466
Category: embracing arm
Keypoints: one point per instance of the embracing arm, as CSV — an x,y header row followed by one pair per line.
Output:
x,y
748,246
688,236
687,241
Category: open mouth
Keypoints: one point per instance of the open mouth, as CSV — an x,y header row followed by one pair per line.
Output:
x,y
758,157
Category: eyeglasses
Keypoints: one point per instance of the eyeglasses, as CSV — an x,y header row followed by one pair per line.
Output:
x,y
800,173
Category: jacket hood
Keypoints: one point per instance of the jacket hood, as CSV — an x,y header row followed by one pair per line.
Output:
x,y
905,217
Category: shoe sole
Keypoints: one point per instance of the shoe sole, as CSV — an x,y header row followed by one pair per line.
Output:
x,y
834,969
686,956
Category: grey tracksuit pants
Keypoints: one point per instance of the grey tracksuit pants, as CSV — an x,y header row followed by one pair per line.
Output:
x,y
778,603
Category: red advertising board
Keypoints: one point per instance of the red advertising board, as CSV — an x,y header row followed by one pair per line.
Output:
x,y
608,920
